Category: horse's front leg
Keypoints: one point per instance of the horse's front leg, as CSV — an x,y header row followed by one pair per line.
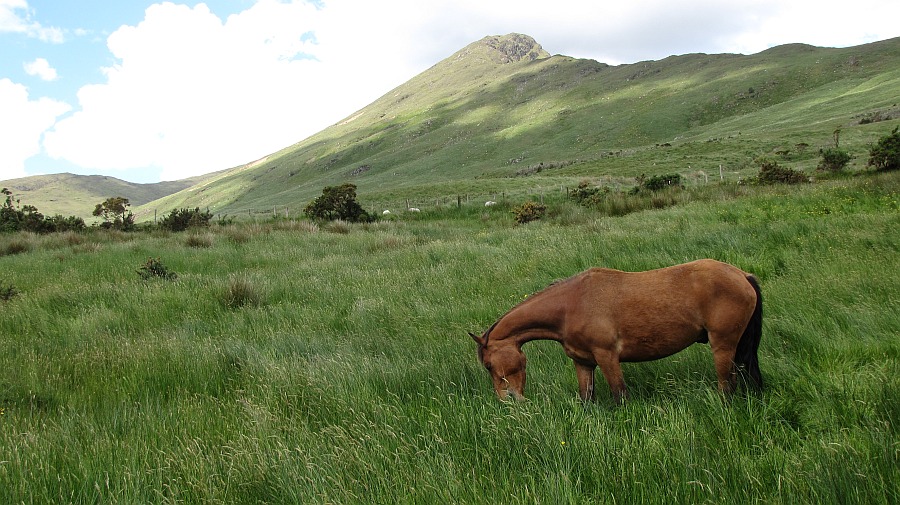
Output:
x,y
585,374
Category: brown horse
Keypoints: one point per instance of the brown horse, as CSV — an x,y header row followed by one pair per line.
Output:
x,y
603,317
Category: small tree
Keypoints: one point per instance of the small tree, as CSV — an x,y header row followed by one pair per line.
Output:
x,y
885,155
11,216
338,202
115,213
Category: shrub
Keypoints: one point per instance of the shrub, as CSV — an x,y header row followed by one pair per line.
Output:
x,y
338,202
7,292
885,155
770,172
589,196
529,211
182,219
154,268
834,159
659,182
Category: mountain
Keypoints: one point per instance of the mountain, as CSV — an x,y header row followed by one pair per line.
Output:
x,y
503,115
502,108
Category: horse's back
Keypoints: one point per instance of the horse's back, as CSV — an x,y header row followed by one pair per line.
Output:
x,y
659,312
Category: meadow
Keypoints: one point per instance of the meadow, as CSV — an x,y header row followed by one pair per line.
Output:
x,y
291,362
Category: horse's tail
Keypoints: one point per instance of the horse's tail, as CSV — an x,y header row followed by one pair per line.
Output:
x,y
746,357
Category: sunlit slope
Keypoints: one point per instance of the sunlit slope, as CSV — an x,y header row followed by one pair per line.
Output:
x,y
503,104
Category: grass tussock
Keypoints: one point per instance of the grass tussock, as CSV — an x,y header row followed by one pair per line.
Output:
x,y
241,291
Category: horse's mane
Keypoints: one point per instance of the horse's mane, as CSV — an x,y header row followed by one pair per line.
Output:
x,y
527,299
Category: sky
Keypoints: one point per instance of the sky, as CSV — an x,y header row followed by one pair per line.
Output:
x,y
147,91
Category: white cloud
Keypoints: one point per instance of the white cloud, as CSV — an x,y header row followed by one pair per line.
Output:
x,y
192,94
21,125
13,22
41,68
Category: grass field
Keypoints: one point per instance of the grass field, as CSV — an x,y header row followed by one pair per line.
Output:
x,y
295,363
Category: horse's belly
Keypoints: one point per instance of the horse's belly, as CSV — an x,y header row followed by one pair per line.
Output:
x,y
639,346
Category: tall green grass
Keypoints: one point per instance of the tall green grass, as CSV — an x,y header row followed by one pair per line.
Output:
x,y
295,363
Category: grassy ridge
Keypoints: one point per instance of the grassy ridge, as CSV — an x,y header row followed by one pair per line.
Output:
x,y
344,374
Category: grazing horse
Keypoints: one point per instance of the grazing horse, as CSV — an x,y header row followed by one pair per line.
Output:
x,y
603,317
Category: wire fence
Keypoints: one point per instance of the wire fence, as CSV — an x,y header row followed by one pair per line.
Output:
x,y
392,205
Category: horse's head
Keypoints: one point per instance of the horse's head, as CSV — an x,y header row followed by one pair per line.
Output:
x,y
505,361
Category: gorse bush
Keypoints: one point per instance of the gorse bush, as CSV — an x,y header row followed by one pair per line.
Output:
x,y
182,219
834,159
659,182
154,268
885,154
587,195
529,211
770,172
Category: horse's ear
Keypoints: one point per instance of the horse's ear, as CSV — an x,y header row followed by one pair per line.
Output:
x,y
479,340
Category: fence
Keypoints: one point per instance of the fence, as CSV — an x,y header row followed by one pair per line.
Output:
x,y
510,196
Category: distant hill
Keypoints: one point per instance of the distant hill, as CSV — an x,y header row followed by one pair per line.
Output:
x,y
503,115
77,195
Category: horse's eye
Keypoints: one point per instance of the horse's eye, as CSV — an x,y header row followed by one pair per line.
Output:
x,y
488,366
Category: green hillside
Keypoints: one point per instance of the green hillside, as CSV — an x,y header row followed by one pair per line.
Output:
x,y
486,119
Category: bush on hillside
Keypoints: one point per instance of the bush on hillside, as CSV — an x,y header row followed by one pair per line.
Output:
x,y
834,159
182,219
659,182
885,155
338,202
770,172
589,196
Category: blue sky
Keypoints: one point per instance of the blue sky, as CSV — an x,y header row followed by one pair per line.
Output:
x,y
148,91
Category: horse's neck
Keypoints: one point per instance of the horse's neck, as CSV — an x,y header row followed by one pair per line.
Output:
x,y
525,324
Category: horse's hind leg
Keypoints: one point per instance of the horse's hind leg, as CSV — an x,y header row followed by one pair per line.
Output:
x,y
612,371
585,381
723,357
